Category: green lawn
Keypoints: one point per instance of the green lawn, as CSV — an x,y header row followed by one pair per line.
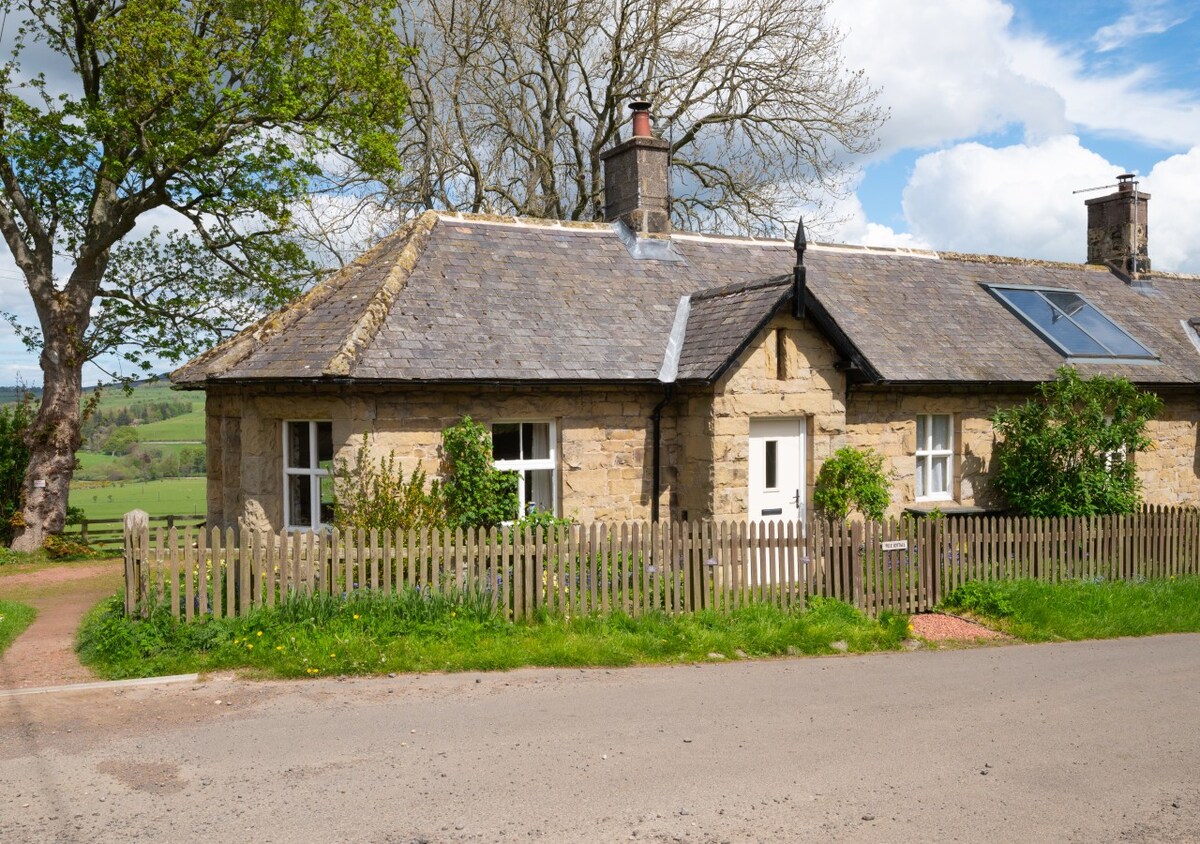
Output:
x,y
321,636
158,498
14,618
112,398
1075,610
189,427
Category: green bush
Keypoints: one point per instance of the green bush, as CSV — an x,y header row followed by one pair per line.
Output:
x,y
1069,452
366,496
476,493
853,479
986,599
15,419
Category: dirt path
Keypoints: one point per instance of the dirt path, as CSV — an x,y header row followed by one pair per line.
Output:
x,y
44,655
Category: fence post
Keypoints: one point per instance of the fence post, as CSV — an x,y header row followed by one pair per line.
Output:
x,y
83,534
857,560
136,523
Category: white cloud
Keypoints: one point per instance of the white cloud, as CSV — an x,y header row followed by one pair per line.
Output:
x,y
1174,224
950,70
1145,17
845,221
1016,200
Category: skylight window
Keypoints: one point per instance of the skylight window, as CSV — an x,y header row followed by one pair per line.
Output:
x,y
1070,323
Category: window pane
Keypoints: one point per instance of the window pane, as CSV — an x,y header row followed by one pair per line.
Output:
x,y
299,499
298,453
539,490
535,440
1052,321
941,432
920,477
939,475
506,442
1104,330
922,443
326,499
324,441
772,464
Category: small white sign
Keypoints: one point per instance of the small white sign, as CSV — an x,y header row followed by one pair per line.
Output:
x,y
894,545
39,483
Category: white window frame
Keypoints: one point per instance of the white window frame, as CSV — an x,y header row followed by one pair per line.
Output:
x,y
314,473
523,465
926,453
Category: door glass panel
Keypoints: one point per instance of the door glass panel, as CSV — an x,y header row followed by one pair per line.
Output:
x,y
772,464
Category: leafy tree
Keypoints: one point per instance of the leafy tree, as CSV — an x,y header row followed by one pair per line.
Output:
x,y
14,458
853,479
477,494
366,496
120,441
1070,450
224,112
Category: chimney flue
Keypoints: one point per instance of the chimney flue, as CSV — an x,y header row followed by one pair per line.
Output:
x,y
635,178
641,119
1118,233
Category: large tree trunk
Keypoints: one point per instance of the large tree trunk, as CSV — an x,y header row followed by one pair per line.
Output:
x,y
53,440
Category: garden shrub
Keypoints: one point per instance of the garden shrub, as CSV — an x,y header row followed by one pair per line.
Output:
x,y
476,493
366,496
853,479
1069,452
976,596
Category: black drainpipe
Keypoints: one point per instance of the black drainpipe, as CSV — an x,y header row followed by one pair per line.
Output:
x,y
656,427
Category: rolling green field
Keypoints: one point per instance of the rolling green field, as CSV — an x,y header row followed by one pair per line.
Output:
x,y
186,428
180,496
112,398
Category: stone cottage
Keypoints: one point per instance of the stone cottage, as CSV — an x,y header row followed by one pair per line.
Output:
x,y
630,372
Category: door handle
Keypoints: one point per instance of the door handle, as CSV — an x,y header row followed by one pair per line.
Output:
x,y
796,499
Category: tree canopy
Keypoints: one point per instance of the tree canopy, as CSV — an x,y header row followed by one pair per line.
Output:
x,y
1070,450
219,115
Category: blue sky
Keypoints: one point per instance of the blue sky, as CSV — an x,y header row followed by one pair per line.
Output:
x,y
999,110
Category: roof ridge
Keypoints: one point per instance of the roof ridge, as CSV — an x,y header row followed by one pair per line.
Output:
x,y
373,315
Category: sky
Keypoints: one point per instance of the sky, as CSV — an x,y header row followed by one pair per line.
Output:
x,y
999,111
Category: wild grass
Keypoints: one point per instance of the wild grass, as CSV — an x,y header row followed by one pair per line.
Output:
x,y
14,618
415,632
1083,609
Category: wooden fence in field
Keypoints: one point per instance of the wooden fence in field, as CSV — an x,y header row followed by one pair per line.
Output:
x,y
109,534
904,565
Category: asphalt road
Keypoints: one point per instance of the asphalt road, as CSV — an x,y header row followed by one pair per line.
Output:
x,y
1069,742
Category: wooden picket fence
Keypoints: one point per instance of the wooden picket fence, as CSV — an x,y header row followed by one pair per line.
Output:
x,y
904,565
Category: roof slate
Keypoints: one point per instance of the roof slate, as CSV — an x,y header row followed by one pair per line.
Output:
x,y
457,298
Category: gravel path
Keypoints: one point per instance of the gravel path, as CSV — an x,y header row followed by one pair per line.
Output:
x,y
937,627
44,655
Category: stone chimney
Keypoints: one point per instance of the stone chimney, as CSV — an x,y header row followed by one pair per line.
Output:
x,y
635,178
1117,232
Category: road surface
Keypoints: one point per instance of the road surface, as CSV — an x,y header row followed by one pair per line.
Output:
x,y
1086,742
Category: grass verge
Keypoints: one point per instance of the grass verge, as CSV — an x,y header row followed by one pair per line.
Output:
x,y
14,618
411,632
1082,609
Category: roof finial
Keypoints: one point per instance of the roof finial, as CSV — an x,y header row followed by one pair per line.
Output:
x,y
799,274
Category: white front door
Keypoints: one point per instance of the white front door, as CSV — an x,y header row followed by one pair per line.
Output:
x,y
776,469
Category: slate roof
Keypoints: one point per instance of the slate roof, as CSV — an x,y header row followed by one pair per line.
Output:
x,y
453,298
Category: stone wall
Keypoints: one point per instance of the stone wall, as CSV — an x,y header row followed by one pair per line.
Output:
x,y
603,437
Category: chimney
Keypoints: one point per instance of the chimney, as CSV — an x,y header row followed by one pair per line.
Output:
x,y
635,178
1117,233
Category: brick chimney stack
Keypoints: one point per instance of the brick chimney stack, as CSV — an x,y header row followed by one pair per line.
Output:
x,y
635,178
1117,232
